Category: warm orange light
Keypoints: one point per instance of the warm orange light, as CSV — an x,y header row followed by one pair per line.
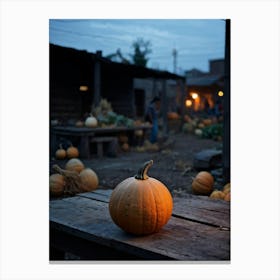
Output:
x,y
188,103
194,95
220,93
83,88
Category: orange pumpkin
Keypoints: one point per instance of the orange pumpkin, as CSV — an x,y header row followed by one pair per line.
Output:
x,y
203,183
173,116
226,188
72,152
56,184
89,180
125,147
74,164
227,196
60,153
216,194
141,205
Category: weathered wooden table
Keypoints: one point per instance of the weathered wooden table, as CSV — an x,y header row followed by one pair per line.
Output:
x,y
85,135
199,230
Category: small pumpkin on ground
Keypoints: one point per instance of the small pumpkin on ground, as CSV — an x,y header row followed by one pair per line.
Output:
x,y
141,205
89,180
60,153
226,188
125,147
72,180
227,196
72,152
203,183
74,164
57,184
216,194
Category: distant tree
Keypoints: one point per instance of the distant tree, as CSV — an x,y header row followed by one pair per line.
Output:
x,y
141,50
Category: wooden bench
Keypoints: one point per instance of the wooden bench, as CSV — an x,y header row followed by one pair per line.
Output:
x,y
199,230
100,140
85,134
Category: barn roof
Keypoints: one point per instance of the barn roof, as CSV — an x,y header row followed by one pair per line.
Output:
x,y
134,70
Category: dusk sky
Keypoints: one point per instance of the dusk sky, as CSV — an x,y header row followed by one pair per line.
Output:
x,y
196,41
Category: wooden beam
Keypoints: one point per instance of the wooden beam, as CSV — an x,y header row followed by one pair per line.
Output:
x,y
226,122
97,79
164,108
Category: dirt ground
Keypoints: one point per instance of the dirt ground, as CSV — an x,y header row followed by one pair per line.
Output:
x,y
173,165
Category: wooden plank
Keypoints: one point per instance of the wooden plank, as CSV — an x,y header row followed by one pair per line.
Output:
x,y
203,210
180,239
191,207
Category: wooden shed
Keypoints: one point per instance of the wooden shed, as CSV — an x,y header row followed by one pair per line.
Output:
x,y
79,79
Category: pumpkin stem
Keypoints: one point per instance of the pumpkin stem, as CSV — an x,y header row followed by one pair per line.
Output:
x,y
142,172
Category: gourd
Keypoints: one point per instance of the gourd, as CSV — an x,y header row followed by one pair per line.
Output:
x,y
141,204
227,196
74,164
125,147
203,183
79,123
56,184
173,116
198,132
91,121
89,180
139,132
226,188
207,122
72,152
60,153
216,194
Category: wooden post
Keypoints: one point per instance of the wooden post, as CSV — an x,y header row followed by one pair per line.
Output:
x,y
97,79
182,101
164,108
226,122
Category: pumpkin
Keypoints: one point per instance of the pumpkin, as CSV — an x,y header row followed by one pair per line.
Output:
x,y
89,180
173,116
226,188
79,123
56,184
72,152
91,121
125,147
198,132
138,132
201,125
203,183
141,204
207,122
74,164
216,194
227,196
60,153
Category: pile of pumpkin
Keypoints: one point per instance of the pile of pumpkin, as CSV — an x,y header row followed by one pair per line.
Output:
x,y
70,152
203,184
74,178
209,127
